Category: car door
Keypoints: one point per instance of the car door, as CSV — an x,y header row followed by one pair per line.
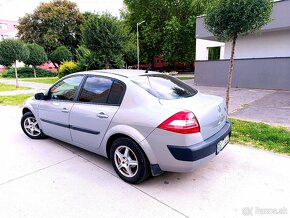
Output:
x,y
55,111
90,116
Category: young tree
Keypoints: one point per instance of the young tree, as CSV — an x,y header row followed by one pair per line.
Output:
x,y
104,35
59,55
52,24
229,19
12,51
37,56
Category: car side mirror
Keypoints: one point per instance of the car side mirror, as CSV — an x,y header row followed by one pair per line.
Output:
x,y
40,96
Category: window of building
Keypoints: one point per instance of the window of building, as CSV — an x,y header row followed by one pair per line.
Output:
x,y
214,53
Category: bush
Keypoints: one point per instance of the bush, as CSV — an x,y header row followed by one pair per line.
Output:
x,y
60,54
66,68
24,72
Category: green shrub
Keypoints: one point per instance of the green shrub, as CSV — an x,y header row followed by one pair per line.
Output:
x,y
25,72
66,68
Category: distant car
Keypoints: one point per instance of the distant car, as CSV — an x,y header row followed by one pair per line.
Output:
x,y
145,122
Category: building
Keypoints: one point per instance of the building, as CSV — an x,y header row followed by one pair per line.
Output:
x,y
8,29
262,59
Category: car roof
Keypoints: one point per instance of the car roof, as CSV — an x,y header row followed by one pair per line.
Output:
x,y
120,72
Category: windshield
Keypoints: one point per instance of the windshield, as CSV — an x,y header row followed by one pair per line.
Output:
x,y
164,87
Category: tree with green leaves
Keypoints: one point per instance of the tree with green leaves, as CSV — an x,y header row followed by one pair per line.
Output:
x,y
59,55
169,27
104,36
52,24
230,19
12,51
37,56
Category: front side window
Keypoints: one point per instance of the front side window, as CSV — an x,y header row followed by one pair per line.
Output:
x,y
65,89
164,87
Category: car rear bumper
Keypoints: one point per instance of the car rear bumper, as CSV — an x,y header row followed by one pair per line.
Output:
x,y
201,150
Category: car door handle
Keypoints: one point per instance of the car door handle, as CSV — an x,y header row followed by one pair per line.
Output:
x,y
102,115
65,110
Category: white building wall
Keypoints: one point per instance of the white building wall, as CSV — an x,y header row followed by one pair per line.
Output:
x,y
261,45
202,46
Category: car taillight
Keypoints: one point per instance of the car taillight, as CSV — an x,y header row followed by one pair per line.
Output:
x,y
183,122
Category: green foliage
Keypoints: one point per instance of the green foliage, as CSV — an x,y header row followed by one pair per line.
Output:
x,y
52,24
12,51
60,54
228,19
66,68
105,37
24,72
169,27
37,55
86,59
130,49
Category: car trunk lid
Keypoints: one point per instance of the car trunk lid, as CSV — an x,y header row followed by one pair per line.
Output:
x,y
209,110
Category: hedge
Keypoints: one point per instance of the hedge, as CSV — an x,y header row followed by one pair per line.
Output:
x,y
25,72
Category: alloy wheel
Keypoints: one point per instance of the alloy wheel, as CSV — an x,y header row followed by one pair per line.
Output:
x,y
126,161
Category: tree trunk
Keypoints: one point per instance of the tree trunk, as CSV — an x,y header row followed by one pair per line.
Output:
x,y
107,62
230,75
34,71
55,65
16,75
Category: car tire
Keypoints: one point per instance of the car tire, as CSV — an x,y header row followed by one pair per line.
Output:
x,y
30,126
129,161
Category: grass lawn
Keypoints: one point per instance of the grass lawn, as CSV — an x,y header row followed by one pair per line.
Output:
x,y
184,78
260,135
15,100
8,87
45,80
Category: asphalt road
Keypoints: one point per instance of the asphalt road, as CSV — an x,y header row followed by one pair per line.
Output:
x,y
48,178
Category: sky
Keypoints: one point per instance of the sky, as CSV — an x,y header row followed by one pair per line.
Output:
x,y
13,9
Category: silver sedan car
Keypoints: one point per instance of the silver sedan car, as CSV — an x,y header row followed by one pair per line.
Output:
x,y
145,122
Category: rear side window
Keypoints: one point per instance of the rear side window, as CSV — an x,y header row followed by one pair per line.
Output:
x,y
116,93
164,87
102,90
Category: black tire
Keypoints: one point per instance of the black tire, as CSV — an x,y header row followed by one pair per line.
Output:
x,y
141,172
34,134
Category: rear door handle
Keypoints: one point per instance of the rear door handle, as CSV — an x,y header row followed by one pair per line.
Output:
x,y
102,115
65,110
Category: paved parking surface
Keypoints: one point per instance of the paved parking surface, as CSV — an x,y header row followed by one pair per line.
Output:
x,y
48,178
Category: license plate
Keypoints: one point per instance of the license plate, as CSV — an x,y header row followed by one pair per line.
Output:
x,y
220,146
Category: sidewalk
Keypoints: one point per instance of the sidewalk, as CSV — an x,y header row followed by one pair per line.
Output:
x,y
35,87
268,106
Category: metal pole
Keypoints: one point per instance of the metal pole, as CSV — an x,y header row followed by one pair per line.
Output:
x,y
137,46
138,52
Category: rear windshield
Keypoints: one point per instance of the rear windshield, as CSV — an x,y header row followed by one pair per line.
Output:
x,y
164,87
